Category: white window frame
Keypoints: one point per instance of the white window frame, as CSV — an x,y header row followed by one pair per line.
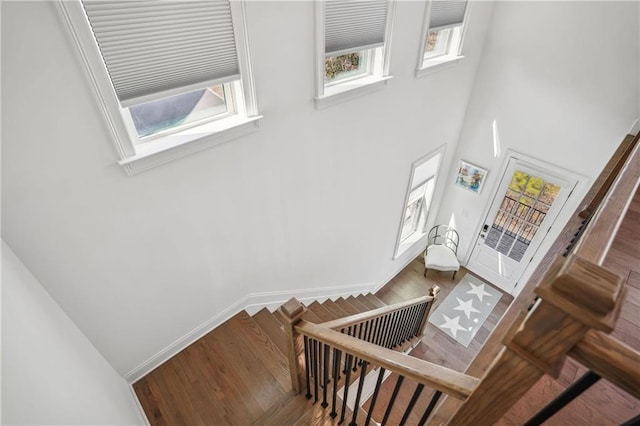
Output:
x,y
453,51
329,93
404,243
139,154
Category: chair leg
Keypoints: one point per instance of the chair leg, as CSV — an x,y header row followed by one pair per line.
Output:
x,y
454,275
425,273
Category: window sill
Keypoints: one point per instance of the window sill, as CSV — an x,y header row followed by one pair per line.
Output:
x,y
432,65
162,150
349,90
409,242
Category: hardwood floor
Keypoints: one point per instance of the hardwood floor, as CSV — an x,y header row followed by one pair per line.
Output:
x,y
237,374
435,346
603,403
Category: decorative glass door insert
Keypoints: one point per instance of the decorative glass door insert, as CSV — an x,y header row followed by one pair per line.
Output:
x,y
524,207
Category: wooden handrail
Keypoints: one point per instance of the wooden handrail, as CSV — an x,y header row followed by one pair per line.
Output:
x,y
610,358
577,295
451,382
619,159
598,237
374,313
513,316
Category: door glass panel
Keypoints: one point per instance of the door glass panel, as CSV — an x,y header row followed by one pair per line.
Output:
x,y
549,193
518,181
534,186
523,209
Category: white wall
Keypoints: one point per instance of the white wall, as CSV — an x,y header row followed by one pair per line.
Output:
x,y
51,374
561,80
313,199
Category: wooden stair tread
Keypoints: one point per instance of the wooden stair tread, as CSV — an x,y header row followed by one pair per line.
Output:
x,y
320,312
334,309
220,366
347,307
247,330
296,409
388,296
318,416
273,328
358,304
374,300
363,300
243,347
312,317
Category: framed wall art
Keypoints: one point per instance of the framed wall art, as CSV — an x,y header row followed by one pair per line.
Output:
x,y
470,177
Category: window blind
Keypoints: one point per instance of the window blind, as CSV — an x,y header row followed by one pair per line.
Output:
x,y
352,25
446,14
155,49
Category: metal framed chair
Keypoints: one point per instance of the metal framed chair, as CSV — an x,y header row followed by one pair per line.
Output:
x,y
442,250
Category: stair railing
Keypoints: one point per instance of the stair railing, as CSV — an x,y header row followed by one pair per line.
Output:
x,y
333,350
577,306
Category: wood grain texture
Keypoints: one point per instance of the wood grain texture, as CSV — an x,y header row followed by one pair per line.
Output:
x,y
616,164
360,317
435,376
620,259
597,239
610,358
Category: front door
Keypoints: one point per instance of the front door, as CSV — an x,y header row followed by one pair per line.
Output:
x,y
525,205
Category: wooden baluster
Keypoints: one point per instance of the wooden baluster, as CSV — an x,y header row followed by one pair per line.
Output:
x,y
291,313
576,295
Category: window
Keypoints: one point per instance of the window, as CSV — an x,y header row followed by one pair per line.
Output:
x,y
353,46
415,212
444,26
172,77
417,208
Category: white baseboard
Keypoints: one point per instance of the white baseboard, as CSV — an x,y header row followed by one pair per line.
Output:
x,y
252,303
635,128
143,417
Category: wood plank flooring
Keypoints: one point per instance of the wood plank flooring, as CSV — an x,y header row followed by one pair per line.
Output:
x,y
238,375
435,346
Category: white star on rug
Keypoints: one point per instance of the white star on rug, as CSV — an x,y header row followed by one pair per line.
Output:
x,y
478,290
452,325
466,307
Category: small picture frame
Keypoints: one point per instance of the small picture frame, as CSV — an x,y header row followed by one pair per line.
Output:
x,y
470,177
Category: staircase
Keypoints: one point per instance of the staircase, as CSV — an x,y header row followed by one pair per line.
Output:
x,y
238,373
242,372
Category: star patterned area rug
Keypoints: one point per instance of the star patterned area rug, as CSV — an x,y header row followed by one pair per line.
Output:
x,y
464,310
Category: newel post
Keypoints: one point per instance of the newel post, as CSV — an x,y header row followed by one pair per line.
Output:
x,y
291,313
433,292
575,296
